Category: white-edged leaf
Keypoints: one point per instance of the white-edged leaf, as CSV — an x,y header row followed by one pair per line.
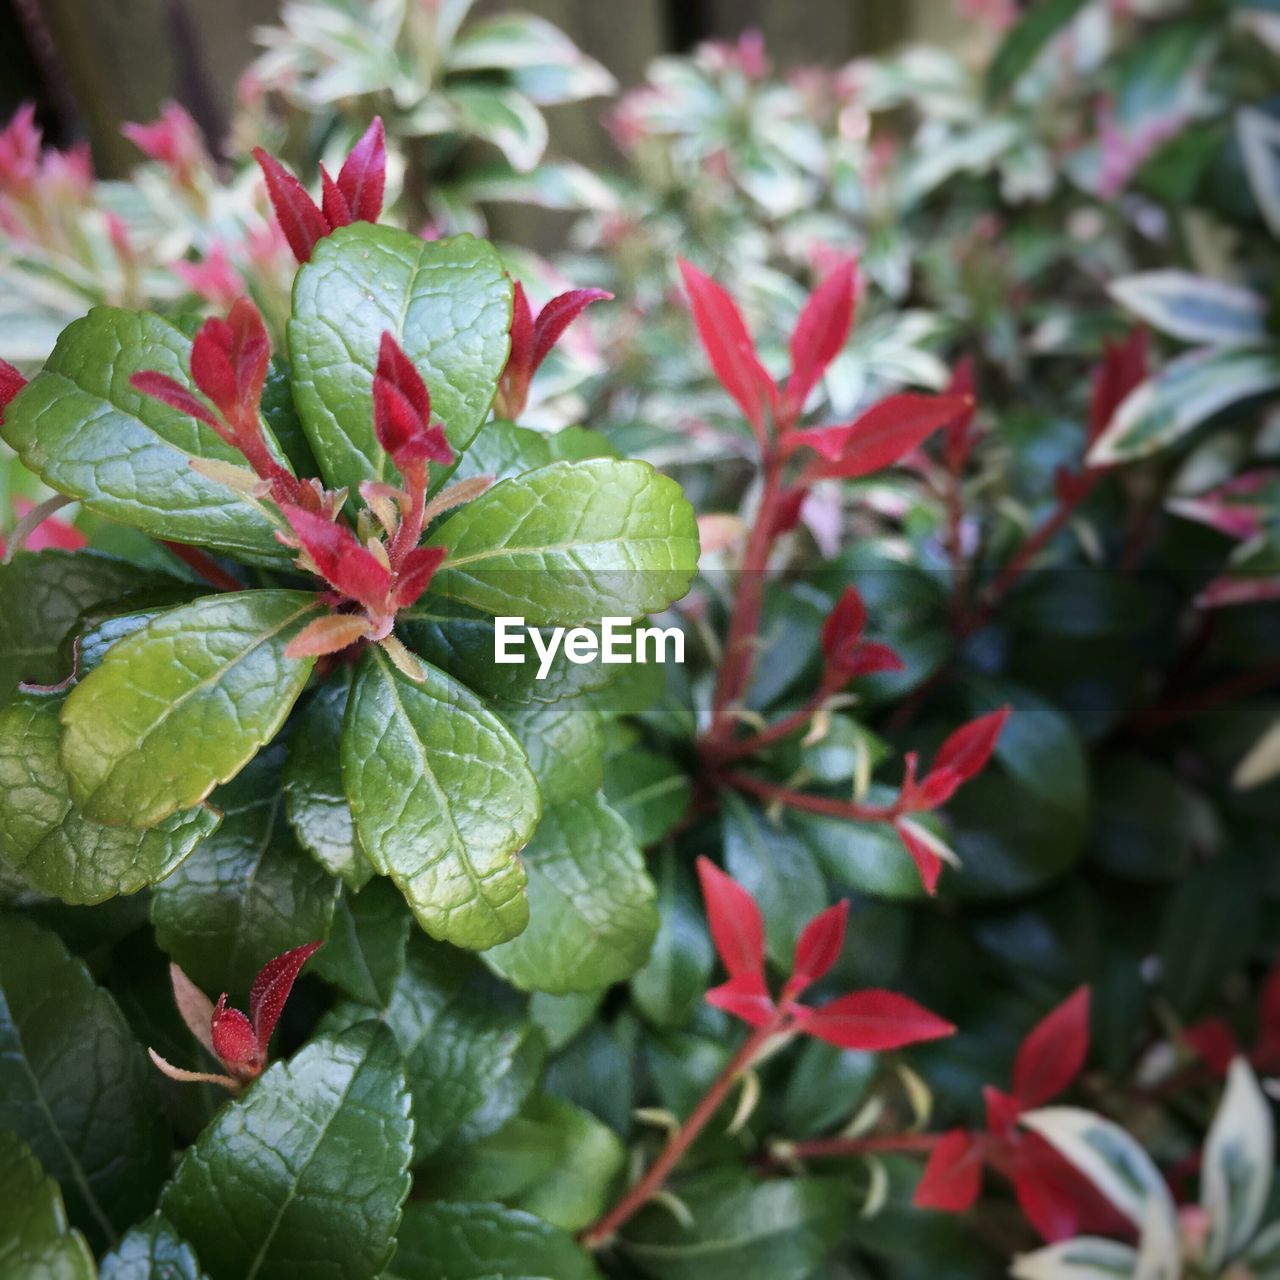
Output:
x,y
1239,1157
1193,308
1259,136
1088,1258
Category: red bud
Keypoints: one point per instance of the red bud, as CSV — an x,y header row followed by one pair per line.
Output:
x,y
11,382
234,1041
362,179
340,558
302,223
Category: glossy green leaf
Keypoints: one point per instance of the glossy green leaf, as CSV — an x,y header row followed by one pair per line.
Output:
x,y
867,856
443,801
670,986
47,841
780,1230
315,798
485,1242
648,790
466,1040
152,1251
182,704
1185,393
448,304
592,917
553,1159
571,543
305,1175
75,1085
365,952
502,450
87,433
565,745
247,894
44,594
504,117
35,1240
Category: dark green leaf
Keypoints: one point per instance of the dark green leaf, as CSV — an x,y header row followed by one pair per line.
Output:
x,y
74,1085
443,801
152,1251
564,743
366,948
305,1175
648,790
35,1241
183,704
670,985
448,304
592,917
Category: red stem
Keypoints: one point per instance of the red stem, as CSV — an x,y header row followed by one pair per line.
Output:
x,y
409,533
608,1225
818,1148
736,749
826,805
206,566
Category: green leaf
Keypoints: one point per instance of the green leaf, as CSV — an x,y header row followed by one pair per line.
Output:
x,y
503,450
553,1159
565,745
247,894
648,790
592,917
305,1175
1239,1160
485,1242
466,1040
1259,135
35,1240
1185,393
504,117
315,798
183,704
867,856
448,304
779,1230
365,952
50,844
780,872
74,1084
87,433
1193,308
1026,41
44,594
152,1251
443,801
669,987
571,543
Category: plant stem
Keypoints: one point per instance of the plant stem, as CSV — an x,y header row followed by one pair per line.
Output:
x,y
205,566
826,805
820,1148
608,1225
736,749
32,521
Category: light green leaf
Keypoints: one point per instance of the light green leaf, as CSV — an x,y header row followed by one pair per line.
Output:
x,y
485,1242
592,917
565,745
315,798
648,790
182,704
553,1159
1239,1159
739,1230
448,304
504,117
570,543
87,433
1193,308
74,1084
247,894
44,594
47,841
35,1241
365,953
469,1048
1088,1258
1113,1161
443,801
152,1251
558,185
1259,136
305,1175
1185,393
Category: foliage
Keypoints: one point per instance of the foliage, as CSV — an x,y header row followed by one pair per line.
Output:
x,y
919,922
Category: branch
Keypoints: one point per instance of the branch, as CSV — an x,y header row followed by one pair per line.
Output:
x,y
826,805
